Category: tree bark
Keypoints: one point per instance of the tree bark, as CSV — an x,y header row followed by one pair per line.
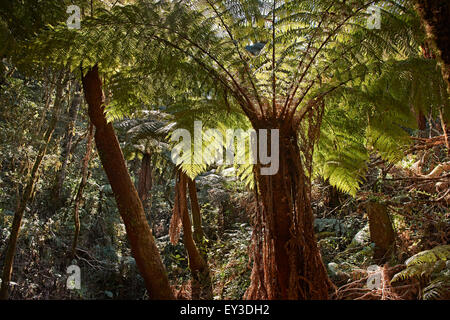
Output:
x,y
286,260
421,122
333,200
79,197
196,213
143,246
145,182
444,129
26,195
201,280
435,15
381,231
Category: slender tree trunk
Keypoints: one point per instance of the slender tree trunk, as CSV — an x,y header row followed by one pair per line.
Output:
x,y
26,195
48,97
145,182
196,213
199,235
201,280
435,15
79,197
421,122
67,147
143,246
286,260
444,130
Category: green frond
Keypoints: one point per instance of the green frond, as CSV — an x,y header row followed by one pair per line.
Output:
x,y
341,155
430,256
438,289
431,266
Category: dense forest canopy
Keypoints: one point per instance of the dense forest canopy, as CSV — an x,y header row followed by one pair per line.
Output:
x,y
222,149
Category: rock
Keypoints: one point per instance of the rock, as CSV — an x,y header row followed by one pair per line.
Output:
x,y
209,180
336,271
229,174
8,213
329,225
362,237
333,267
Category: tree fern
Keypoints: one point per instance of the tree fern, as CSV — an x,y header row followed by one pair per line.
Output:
x,y
251,57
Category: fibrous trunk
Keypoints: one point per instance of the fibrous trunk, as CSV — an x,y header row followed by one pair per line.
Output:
x,y
381,231
333,196
145,182
201,280
286,260
196,213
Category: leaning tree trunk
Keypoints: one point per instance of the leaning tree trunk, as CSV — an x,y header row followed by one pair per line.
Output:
x,y
143,246
286,260
28,191
435,15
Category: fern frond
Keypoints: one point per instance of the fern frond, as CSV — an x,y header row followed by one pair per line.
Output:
x,y
431,266
430,256
438,289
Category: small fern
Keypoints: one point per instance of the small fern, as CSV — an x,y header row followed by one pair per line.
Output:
x,y
430,256
431,267
439,288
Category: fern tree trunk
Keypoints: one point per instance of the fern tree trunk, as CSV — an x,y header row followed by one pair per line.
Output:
x,y
145,182
286,260
199,235
201,279
435,15
333,200
79,196
130,207
381,231
27,193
